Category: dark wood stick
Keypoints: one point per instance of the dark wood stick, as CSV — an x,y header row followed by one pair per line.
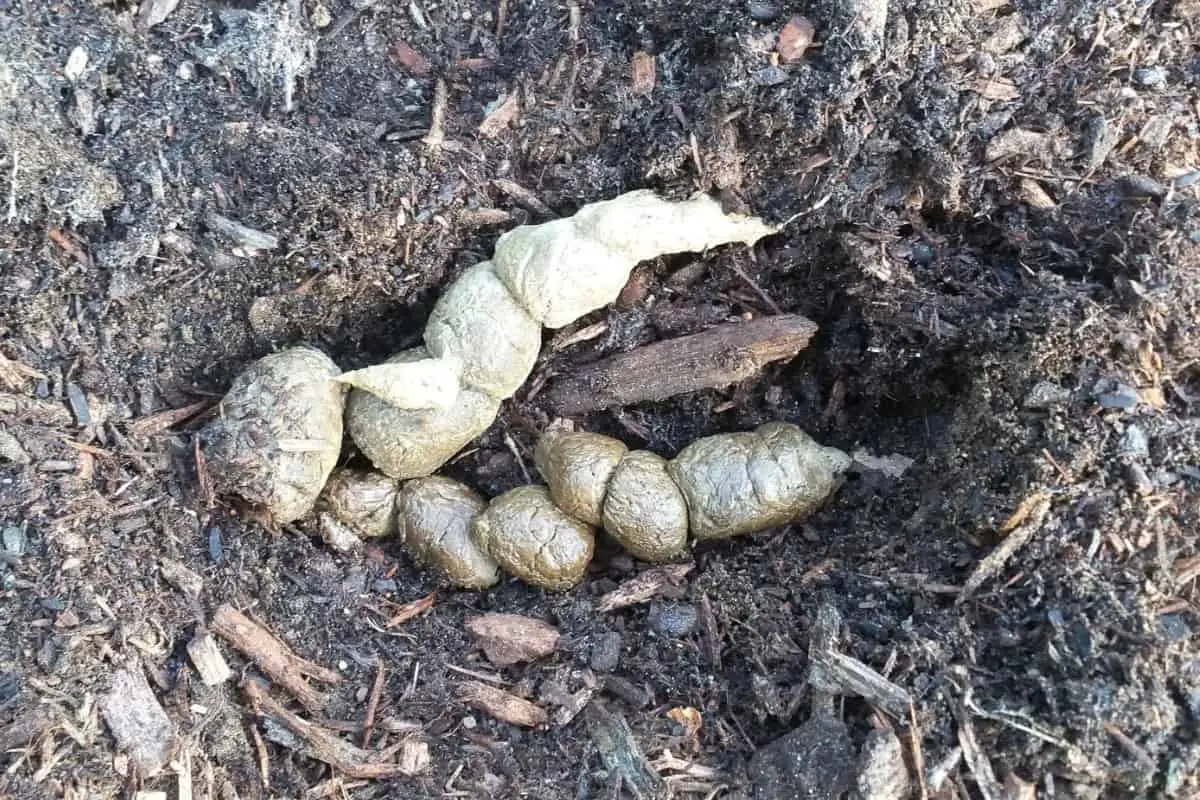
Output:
x,y
718,357
351,761
273,656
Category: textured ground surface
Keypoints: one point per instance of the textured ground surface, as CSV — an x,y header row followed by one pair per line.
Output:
x,y
995,220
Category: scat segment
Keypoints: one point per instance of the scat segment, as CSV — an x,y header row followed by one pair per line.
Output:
x,y
534,539
644,509
410,443
577,467
278,432
737,483
366,501
434,521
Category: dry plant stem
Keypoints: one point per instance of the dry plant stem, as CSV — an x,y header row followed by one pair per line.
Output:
x,y
1034,513
713,359
642,587
344,757
372,705
275,659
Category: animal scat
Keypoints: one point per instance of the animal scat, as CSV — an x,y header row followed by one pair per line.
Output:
x,y
737,483
644,509
278,433
577,467
534,539
485,330
410,443
434,517
366,501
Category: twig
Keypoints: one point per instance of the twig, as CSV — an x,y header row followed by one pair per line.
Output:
x,y
372,704
344,757
721,356
437,117
162,420
203,476
501,18
12,189
411,609
275,658
1025,522
642,587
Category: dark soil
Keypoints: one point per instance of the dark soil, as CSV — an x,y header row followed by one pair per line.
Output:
x,y
1015,313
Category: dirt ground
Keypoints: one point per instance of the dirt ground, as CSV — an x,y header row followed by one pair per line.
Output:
x,y
994,218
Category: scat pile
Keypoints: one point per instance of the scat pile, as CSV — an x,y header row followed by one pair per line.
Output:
x,y
718,486
279,431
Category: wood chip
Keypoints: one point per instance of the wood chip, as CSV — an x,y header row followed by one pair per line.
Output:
x,y
1034,195
716,358
523,197
351,761
247,241
1020,527
1001,89
510,638
273,656
837,673
1020,144
410,60
795,39
162,420
138,722
155,12
502,705
187,582
505,113
641,588
207,659
644,73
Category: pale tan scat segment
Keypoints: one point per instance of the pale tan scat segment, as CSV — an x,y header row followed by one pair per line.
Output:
x,y
479,326
534,540
561,270
365,501
405,443
641,225
577,468
279,432
738,483
434,518
644,510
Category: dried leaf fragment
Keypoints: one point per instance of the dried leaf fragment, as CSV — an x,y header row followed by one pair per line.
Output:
x,y
641,588
510,638
502,705
505,113
644,73
795,39
410,60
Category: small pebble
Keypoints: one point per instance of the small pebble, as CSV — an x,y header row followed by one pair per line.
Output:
x,y
673,620
771,76
606,652
1046,394
14,540
1174,627
1123,397
764,10
1150,77
385,585
215,545
1135,443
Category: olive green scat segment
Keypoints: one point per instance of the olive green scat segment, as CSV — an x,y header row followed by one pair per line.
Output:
x,y
577,468
644,510
480,326
434,518
279,432
364,501
535,540
408,443
739,483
